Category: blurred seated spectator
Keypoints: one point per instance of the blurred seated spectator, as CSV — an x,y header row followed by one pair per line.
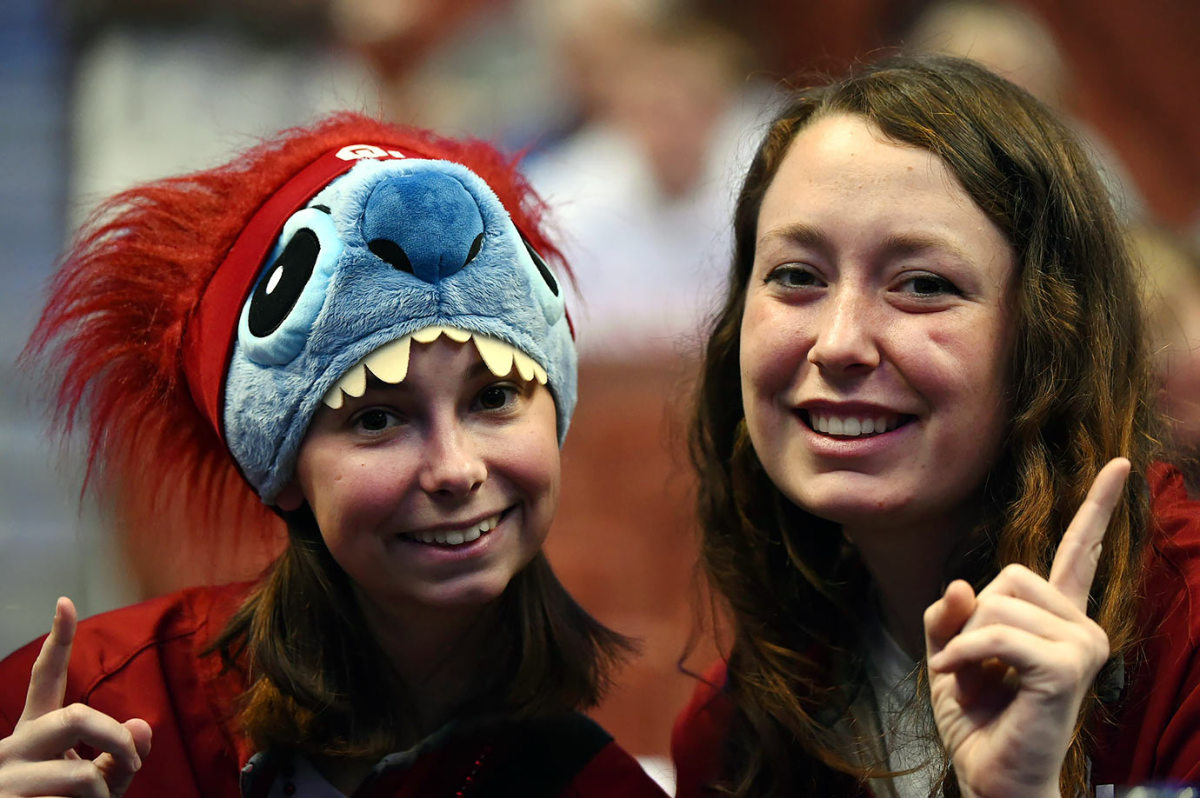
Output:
x,y
1012,42
644,187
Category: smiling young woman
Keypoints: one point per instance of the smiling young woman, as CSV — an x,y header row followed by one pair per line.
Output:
x,y
349,326
917,411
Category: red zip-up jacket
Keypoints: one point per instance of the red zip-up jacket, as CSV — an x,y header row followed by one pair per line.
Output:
x,y
144,661
1155,738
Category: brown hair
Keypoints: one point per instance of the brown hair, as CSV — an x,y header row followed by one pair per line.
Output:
x,y
1079,393
321,684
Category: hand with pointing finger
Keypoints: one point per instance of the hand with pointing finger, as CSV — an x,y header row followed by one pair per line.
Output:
x,y
39,757
1009,667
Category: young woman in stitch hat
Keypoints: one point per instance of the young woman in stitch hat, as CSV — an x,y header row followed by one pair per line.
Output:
x,y
353,326
918,409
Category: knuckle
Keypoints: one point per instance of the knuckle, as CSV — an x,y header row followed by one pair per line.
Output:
x,y
85,775
73,715
1013,569
1100,645
1015,574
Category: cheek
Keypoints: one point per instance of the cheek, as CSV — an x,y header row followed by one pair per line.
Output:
x,y
769,350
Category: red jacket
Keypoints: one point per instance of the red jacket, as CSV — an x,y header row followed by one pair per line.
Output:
x,y
143,661
1156,733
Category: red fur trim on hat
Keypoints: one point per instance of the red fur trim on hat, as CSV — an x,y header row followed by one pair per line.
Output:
x,y
110,343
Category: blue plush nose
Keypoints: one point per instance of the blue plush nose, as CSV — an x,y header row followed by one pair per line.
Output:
x,y
426,224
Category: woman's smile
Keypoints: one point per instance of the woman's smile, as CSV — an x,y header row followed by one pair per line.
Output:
x,y
875,334
434,491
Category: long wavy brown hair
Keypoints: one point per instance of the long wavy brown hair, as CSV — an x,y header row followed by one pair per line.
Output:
x,y
1079,392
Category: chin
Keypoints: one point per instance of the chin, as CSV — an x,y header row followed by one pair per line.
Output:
x,y
856,508
476,593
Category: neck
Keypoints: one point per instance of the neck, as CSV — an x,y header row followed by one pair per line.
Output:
x,y
437,654
906,564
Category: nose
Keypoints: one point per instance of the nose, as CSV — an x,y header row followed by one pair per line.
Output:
x,y
847,336
452,465
426,224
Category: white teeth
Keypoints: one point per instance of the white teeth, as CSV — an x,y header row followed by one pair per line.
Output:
x,y
354,381
853,427
427,335
390,361
457,537
524,364
333,398
496,354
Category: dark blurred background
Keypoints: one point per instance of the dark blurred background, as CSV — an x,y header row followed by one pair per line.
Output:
x,y
634,118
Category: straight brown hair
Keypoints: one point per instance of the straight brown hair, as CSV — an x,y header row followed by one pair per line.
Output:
x,y
320,683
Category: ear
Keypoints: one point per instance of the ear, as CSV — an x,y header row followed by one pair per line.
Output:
x,y
290,497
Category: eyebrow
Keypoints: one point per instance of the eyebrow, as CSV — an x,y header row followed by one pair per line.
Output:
x,y
915,243
894,245
797,233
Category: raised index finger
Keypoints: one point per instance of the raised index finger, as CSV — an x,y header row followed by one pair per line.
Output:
x,y
48,680
1078,554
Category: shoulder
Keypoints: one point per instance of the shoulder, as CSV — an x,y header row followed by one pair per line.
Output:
x,y
698,737
1156,733
563,755
1171,581
613,771
127,645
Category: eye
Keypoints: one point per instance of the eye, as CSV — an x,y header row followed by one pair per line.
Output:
x,y
276,295
375,419
545,286
791,275
924,284
496,396
542,268
290,292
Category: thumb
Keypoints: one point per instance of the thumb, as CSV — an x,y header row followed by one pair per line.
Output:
x,y
946,617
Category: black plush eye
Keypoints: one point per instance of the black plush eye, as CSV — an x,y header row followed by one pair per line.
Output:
x,y
542,268
283,284
279,314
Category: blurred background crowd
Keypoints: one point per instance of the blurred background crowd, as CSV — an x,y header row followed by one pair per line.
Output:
x,y
633,118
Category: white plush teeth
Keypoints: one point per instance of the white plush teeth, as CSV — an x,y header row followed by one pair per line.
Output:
x,y
390,362
427,335
333,398
354,381
524,364
457,537
496,354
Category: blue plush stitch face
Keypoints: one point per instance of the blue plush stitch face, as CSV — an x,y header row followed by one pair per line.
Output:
x,y
391,251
